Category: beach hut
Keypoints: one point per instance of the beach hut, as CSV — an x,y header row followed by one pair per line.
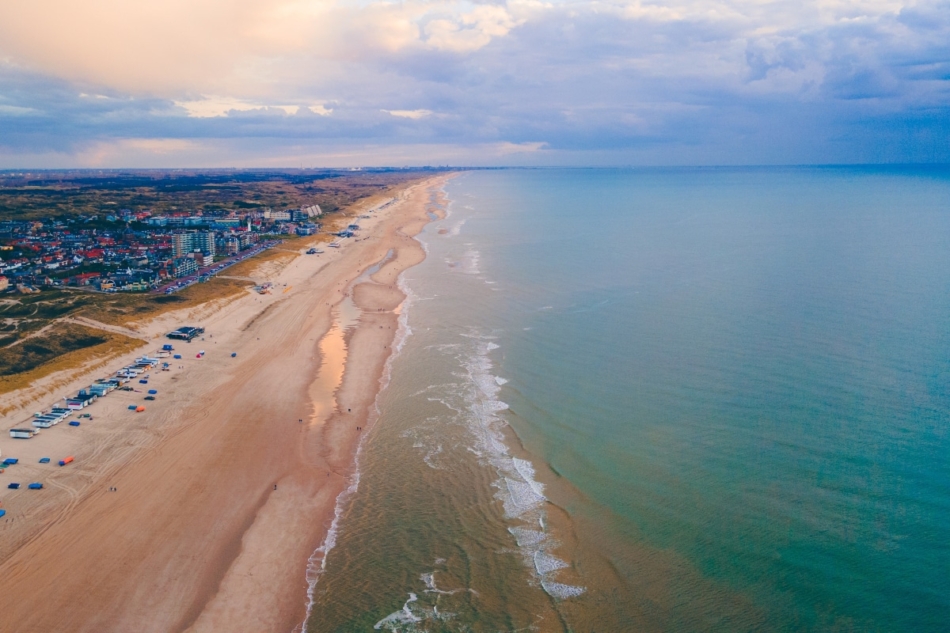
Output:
x,y
22,434
35,486
139,409
13,486
74,423
66,460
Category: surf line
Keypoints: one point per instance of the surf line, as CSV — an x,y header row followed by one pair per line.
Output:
x,y
316,564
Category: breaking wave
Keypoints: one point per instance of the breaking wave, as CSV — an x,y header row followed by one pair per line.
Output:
x,y
521,494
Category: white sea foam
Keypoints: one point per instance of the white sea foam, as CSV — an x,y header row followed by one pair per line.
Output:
x,y
429,580
500,381
431,455
521,495
455,230
527,538
521,498
398,618
472,262
545,563
526,470
317,563
561,591
413,613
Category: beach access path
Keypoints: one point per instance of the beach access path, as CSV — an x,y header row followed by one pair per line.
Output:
x,y
200,514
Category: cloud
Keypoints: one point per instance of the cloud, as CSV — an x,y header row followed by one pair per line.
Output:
x,y
409,114
229,46
506,149
223,106
600,80
470,31
17,110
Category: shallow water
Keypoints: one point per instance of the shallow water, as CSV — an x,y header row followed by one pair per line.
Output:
x,y
663,400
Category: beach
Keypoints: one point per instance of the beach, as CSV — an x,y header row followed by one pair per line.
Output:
x,y
203,512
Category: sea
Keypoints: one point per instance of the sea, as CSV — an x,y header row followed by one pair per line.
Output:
x,y
704,399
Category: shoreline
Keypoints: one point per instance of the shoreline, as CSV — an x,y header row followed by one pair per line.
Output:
x,y
223,495
403,331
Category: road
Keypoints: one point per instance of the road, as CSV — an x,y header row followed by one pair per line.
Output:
x,y
209,271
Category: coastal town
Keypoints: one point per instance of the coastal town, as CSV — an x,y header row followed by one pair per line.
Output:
x,y
127,250
211,406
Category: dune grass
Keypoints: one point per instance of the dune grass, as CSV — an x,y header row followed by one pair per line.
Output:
x,y
63,346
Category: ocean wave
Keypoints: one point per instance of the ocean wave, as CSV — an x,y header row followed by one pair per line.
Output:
x,y
455,230
545,563
521,498
470,263
413,613
401,617
526,538
561,591
521,494
429,580
317,563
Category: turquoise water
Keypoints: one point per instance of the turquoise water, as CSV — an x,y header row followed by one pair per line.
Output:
x,y
681,400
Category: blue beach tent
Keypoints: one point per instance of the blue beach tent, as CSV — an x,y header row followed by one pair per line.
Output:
x,y
2,512
44,460
13,485
10,461
153,391
35,486
74,423
131,407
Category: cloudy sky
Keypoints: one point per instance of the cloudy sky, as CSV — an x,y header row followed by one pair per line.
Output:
x,y
290,83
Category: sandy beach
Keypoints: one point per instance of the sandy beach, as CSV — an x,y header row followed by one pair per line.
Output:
x,y
226,485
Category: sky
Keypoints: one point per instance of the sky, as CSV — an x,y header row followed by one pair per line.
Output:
x,y
332,83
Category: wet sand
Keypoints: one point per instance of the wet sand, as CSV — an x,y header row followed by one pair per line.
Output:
x,y
227,483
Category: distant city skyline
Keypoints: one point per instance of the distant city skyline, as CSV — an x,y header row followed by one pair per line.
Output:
x,y
296,83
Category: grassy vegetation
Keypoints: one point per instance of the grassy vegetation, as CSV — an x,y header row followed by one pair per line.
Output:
x,y
21,315
63,346
42,195
123,308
